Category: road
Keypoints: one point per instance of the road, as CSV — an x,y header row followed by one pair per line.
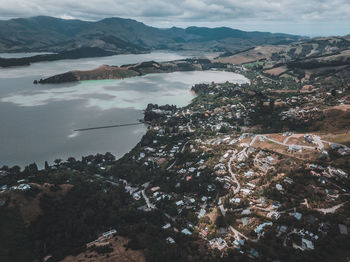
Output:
x,y
285,141
149,204
183,148
171,165
233,175
280,143
240,235
319,142
330,210
253,140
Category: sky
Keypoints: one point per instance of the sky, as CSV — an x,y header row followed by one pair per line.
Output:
x,y
302,17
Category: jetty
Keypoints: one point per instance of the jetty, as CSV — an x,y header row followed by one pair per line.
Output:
x,y
104,127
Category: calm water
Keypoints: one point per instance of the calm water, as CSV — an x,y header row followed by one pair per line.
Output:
x,y
37,121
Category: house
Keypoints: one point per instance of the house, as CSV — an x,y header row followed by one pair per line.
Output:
x,y
341,173
202,213
275,215
192,200
191,169
311,219
204,232
344,151
251,185
245,191
276,205
307,244
343,229
211,188
294,148
170,240
109,233
323,180
246,212
283,229
218,243
248,174
288,180
245,221
279,187
235,200
270,159
154,189
221,243
3,173
324,154
2,202
186,232
298,215
308,138
136,196
23,187
179,203
259,228
166,226
223,231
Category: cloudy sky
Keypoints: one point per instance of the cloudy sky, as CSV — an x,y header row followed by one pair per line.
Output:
x,y
307,17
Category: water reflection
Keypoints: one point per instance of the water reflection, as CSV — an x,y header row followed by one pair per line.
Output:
x,y
37,121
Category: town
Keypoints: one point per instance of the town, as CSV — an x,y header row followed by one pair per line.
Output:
x,y
241,171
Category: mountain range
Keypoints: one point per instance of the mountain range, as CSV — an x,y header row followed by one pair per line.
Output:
x,y
49,34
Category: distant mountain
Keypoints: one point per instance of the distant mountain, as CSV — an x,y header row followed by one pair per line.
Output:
x,y
119,35
83,52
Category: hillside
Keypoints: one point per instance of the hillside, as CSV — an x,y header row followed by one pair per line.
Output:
x,y
308,60
116,34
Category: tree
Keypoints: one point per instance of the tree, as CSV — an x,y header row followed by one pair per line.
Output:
x,y
272,104
30,169
334,92
71,160
47,167
58,162
220,222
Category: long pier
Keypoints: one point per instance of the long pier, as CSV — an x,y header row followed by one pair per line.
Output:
x,y
104,127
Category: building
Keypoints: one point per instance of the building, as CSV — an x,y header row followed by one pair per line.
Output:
x,y
170,240
343,229
186,232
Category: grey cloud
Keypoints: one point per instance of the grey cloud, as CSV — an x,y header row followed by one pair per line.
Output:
x,y
187,12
